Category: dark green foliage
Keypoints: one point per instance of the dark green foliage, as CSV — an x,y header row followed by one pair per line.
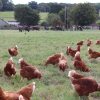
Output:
x,y
1,5
44,23
33,5
43,7
97,6
62,14
83,14
55,7
10,6
7,6
25,15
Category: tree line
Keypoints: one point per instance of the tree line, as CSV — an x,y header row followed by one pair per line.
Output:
x,y
59,14
8,5
80,15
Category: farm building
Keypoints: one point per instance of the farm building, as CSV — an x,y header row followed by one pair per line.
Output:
x,y
8,24
3,23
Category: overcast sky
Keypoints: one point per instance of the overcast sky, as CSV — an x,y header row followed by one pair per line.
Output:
x,y
59,1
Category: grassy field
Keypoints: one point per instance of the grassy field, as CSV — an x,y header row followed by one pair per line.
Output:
x,y
9,16
35,47
43,16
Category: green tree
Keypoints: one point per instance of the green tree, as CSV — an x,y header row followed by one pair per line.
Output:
x,y
97,6
1,5
25,15
43,7
54,19
10,6
33,5
7,5
55,7
83,14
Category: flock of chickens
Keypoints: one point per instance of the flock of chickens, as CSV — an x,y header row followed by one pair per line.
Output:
x,y
24,93
26,71
82,85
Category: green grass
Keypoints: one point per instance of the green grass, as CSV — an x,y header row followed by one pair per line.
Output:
x,y
7,15
43,16
35,47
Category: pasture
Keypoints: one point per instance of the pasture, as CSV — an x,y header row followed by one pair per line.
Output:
x,y
43,16
7,15
35,47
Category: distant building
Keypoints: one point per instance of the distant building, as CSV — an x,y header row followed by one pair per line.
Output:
x,y
15,23
8,24
3,23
